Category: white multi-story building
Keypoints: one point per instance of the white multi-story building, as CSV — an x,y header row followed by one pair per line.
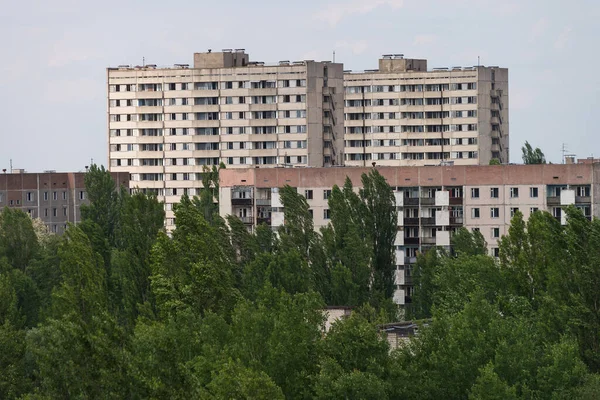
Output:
x,y
166,125
404,115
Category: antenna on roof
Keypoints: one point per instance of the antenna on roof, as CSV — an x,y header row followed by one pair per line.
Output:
x,y
334,56
143,61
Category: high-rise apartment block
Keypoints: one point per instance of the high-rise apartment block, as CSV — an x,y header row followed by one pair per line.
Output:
x,y
166,125
432,202
404,115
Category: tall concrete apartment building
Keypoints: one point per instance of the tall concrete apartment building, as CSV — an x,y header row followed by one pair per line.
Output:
x,y
53,197
166,125
404,115
432,202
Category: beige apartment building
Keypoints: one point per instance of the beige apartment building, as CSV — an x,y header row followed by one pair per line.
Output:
x,y
53,197
166,125
432,202
404,115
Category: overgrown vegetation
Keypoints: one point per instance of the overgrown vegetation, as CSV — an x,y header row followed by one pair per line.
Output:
x,y
116,308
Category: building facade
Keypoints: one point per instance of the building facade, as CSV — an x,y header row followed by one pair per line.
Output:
x,y
432,202
166,125
53,197
404,115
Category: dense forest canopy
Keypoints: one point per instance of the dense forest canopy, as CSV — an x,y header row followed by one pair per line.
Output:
x,y
116,308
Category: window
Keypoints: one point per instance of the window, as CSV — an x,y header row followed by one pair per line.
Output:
x,y
46,196
64,195
308,194
513,210
514,192
326,214
54,212
557,212
496,252
533,209
326,194
583,191
495,233
533,192
474,212
64,211
29,196
81,195
494,193
495,212
474,193
54,195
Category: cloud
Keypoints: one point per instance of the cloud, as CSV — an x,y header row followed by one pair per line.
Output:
x,y
424,39
357,47
335,12
563,38
538,29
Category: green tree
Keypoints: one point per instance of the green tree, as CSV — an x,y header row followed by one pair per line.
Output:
x,y
489,386
193,270
495,161
142,217
234,381
208,201
103,201
382,225
468,243
354,361
531,155
425,272
79,351
279,335
348,248
18,240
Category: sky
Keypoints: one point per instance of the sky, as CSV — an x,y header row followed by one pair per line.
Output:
x,y
55,54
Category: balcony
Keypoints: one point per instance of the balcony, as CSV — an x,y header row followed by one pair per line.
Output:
x,y
408,280
263,202
410,260
427,201
247,220
553,200
583,199
411,221
241,202
428,240
411,201
411,240
266,221
428,221
407,299
456,201
456,220
496,92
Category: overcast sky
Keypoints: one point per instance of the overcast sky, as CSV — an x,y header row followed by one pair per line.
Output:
x,y
55,54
